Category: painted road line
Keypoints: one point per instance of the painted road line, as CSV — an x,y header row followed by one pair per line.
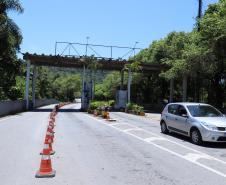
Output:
x,y
195,157
115,124
191,157
154,138
132,129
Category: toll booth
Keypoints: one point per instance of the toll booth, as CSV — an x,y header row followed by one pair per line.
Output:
x,y
121,99
87,94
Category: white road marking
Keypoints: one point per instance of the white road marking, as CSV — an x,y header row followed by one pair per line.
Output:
x,y
115,124
154,138
195,157
191,157
131,129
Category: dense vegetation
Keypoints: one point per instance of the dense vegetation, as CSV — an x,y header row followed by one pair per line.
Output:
x,y
61,84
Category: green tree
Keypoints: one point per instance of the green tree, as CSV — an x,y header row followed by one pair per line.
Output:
x,y
213,38
107,89
67,87
10,40
200,54
44,83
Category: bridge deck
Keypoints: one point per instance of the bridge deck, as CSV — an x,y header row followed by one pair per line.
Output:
x,y
79,62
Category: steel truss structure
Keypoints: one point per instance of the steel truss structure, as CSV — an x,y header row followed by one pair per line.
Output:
x,y
69,49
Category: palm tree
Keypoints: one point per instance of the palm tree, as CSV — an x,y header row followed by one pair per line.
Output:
x,y
10,40
9,31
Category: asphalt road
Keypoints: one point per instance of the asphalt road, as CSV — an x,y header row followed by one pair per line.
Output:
x,y
92,151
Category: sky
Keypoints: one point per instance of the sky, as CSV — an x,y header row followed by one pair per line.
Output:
x,y
108,22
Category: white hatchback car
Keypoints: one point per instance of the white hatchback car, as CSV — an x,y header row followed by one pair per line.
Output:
x,y
199,121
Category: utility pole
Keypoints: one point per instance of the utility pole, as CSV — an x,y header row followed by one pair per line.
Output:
x,y
199,13
134,48
197,80
87,43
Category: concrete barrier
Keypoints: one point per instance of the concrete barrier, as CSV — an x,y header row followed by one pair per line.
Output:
x,y
12,107
40,103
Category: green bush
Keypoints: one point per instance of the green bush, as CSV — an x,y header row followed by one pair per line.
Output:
x,y
97,104
134,107
139,109
111,103
129,106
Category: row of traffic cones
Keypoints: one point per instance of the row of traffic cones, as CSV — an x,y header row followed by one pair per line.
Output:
x,y
46,169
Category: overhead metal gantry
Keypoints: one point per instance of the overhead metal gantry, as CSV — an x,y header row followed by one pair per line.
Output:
x,y
101,51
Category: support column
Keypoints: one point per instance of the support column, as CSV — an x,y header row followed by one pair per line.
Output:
x,y
129,85
34,85
93,89
93,84
185,82
27,84
122,80
83,88
171,90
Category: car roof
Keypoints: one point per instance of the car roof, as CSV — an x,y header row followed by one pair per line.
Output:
x,y
188,103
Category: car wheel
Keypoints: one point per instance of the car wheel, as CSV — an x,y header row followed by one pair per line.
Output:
x,y
164,128
196,137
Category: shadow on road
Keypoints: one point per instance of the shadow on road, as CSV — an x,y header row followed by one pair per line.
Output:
x,y
205,144
61,110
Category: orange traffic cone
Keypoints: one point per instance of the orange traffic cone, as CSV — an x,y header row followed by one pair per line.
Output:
x,y
52,119
52,114
52,152
57,107
47,148
49,137
49,129
107,115
51,123
45,169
